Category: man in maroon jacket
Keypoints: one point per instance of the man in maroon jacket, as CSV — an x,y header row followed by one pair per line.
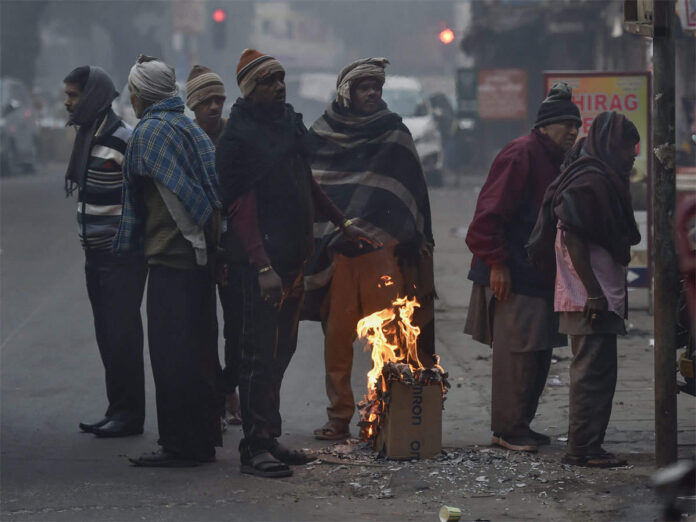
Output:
x,y
511,305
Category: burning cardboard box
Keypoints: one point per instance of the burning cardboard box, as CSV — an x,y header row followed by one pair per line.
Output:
x,y
401,414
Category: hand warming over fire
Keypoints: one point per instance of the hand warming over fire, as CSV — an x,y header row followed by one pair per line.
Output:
x,y
271,286
358,235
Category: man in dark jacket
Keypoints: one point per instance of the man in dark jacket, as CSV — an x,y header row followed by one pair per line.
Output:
x,y
270,195
511,304
115,283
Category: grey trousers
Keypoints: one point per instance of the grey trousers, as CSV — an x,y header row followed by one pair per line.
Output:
x,y
519,379
592,385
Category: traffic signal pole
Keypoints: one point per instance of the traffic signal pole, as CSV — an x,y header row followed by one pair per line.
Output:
x,y
666,278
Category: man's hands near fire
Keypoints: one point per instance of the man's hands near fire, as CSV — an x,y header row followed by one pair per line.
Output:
x,y
500,281
271,287
358,235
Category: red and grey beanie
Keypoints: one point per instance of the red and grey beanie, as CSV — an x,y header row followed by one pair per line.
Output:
x,y
254,66
202,83
558,106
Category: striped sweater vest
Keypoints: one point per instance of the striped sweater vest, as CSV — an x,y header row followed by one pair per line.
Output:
x,y
99,202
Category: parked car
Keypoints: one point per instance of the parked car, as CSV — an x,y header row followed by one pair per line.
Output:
x,y
404,95
124,110
19,132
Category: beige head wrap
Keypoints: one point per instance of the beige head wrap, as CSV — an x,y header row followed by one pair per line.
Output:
x,y
364,68
152,80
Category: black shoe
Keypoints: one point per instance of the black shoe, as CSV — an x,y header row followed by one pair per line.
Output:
x,y
540,438
527,444
88,427
164,459
116,428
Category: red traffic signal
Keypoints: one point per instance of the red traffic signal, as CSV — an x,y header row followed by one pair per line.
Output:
x,y
447,36
219,15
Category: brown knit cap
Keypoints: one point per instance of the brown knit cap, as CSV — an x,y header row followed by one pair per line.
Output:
x,y
253,66
202,83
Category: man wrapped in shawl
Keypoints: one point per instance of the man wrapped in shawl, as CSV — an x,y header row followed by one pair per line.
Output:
x,y
588,208
170,205
365,160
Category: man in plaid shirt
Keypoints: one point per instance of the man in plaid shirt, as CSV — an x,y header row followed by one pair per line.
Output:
x,y
170,211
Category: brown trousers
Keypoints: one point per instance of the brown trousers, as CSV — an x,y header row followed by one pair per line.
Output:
x,y
592,384
356,291
519,379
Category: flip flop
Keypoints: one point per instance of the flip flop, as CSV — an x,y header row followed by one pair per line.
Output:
x,y
290,456
332,431
265,465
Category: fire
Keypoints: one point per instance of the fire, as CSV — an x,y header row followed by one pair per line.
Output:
x,y
393,340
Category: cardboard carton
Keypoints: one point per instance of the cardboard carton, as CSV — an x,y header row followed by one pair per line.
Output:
x,y
412,425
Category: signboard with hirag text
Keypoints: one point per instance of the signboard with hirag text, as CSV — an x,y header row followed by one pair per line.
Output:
x,y
628,94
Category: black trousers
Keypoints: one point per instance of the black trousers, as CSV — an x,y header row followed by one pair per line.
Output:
x,y
115,286
182,333
269,339
232,301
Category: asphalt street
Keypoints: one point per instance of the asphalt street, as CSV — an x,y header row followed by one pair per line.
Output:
x,y
52,378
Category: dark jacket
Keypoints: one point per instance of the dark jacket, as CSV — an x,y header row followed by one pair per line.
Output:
x,y
267,156
507,209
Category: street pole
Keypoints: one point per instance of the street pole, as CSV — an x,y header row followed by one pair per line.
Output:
x,y
666,279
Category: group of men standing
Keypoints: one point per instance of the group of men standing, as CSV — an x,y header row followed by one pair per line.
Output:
x,y
236,203
291,223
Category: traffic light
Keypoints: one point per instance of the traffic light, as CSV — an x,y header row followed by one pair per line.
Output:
x,y
446,36
219,28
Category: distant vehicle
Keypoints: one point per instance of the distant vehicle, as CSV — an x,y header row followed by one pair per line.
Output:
x,y
404,95
19,132
124,110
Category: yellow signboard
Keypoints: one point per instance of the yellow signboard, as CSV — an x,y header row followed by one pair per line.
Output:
x,y
628,94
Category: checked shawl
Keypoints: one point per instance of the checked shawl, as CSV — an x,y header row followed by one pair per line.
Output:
x,y
169,148
369,168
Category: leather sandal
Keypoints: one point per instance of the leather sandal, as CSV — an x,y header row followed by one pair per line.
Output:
x,y
265,465
333,430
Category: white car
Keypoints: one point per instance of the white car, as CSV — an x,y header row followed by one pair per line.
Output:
x,y
404,95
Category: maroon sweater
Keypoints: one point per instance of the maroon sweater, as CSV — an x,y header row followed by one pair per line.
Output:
x,y
507,209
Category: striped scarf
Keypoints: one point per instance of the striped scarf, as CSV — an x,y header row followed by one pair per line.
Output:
x,y
368,166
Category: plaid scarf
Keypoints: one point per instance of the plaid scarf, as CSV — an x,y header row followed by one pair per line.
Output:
x,y
369,167
168,147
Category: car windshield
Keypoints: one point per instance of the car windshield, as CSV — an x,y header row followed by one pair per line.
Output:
x,y
406,103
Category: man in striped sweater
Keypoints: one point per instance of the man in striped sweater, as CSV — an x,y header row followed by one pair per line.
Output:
x,y
115,283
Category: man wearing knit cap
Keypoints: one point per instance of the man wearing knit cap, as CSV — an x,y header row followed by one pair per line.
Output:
x,y
270,195
205,96
170,204
511,305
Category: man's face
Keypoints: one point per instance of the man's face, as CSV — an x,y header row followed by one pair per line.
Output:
x,y
138,104
563,133
627,155
209,111
269,93
72,96
365,95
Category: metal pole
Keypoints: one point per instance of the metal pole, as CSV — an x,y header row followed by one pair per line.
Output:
x,y
666,278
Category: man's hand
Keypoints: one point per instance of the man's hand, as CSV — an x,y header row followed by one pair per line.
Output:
x,y
500,281
594,307
426,249
358,235
271,287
